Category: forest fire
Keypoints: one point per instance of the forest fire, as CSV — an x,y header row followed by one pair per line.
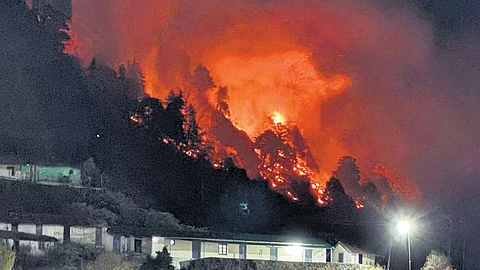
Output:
x,y
266,92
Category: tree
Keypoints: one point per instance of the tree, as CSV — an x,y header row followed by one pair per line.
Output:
x,y
348,173
222,101
135,81
7,258
194,140
174,117
437,261
55,25
202,80
109,261
163,261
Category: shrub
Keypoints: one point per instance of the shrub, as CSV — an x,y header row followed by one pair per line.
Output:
x,y
7,259
109,261
163,261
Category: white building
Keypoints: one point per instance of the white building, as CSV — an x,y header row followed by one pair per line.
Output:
x,y
186,246
345,253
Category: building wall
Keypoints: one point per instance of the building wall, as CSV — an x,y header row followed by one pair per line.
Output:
x,y
7,242
157,245
347,257
82,235
6,172
33,246
53,231
181,250
107,240
368,259
223,263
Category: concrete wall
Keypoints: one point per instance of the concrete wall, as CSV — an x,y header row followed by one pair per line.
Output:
x,y
107,240
347,257
181,250
53,231
368,259
6,172
221,263
6,227
82,235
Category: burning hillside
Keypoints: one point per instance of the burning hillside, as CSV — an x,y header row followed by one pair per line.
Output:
x,y
280,92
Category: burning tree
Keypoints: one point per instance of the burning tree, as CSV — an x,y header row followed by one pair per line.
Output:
x,y
283,153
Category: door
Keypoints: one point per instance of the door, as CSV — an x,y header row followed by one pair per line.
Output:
x,y
116,244
329,255
196,249
308,255
243,251
273,253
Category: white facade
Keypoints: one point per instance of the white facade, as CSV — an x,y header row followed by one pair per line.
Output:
x,y
11,172
183,250
347,254
55,231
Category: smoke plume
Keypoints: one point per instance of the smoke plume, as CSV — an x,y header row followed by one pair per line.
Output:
x,y
358,78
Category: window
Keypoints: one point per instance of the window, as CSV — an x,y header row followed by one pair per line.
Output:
x,y
243,251
196,245
308,255
138,245
329,256
222,249
12,170
273,253
360,258
340,257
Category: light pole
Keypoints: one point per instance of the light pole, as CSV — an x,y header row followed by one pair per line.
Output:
x,y
405,227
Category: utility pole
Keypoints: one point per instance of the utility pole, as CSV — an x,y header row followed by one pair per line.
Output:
x,y
463,245
389,253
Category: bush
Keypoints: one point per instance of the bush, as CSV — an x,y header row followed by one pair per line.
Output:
x,y
7,259
437,261
109,261
163,261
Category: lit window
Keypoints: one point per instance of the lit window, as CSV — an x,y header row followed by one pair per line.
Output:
x,y
222,249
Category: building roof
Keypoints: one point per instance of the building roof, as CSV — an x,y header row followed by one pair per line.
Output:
x,y
214,236
17,236
353,249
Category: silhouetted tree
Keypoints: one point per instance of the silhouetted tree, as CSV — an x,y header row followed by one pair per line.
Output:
x,y
348,173
175,118
222,100
202,80
162,261
135,80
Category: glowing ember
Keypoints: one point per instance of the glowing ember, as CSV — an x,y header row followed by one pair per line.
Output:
x,y
359,205
278,119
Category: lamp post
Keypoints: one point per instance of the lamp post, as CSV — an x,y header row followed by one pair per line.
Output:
x,y
405,227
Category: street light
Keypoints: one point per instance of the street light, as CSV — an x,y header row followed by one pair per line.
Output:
x,y
404,227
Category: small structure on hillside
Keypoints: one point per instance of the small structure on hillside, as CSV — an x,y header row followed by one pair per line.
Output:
x,y
42,174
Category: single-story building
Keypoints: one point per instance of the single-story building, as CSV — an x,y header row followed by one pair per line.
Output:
x,y
41,174
192,245
35,244
346,253
186,246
